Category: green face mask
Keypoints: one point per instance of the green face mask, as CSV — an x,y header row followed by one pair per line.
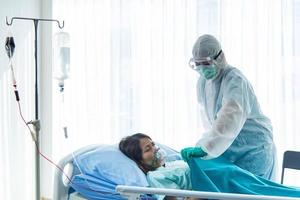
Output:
x,y
208,72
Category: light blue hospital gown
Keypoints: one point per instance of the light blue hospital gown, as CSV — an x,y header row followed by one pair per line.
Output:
x,y
174,175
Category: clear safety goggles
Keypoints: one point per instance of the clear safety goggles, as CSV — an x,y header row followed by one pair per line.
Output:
x,y
203,62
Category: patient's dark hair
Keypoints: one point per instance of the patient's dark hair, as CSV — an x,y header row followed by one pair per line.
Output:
x,y
130,146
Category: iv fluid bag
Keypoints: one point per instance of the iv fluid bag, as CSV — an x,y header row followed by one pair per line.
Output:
x,y
61,56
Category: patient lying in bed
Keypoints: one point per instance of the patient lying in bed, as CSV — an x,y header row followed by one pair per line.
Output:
x,y
217,175
141,149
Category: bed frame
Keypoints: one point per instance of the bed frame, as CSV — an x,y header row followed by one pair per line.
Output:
x,y
133,193
60,189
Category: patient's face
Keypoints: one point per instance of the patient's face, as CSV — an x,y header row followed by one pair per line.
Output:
x,y
148,153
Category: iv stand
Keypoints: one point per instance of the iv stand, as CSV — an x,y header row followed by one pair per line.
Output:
x,y
36,122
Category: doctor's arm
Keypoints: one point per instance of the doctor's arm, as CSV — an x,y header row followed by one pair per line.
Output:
x,y
230,118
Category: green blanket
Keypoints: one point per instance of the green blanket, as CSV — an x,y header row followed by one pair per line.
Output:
x,y
220,175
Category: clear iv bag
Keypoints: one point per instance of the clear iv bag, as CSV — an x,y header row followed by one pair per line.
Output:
x,y
61,57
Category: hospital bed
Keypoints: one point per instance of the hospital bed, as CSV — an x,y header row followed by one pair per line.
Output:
x,y
62,188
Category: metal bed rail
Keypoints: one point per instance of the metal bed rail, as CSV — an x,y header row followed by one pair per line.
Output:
x,y
133,193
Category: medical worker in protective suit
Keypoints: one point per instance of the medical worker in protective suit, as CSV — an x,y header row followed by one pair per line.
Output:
x,y
235,126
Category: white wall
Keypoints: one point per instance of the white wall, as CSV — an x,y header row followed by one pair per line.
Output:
x,y
23,33
16,147
46,99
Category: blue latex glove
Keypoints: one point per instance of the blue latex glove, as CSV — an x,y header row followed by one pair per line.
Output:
x,y
189,152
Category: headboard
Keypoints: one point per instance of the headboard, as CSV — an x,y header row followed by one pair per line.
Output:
x,y
60,190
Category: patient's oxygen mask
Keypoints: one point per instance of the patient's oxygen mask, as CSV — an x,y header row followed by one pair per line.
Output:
x,y
160,156
157,161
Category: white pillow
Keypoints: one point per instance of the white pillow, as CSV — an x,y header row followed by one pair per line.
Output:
x,y
108,162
